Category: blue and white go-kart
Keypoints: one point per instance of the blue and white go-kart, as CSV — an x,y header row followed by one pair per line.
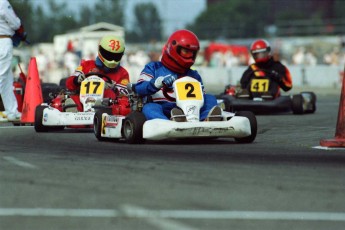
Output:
x,y
135,129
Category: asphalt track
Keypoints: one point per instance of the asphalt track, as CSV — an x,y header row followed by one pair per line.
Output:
x,y
69,180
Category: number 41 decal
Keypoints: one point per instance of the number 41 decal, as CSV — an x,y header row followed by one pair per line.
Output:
x,y
259,85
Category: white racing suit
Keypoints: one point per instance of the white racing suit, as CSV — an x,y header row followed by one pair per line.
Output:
x,y
9,22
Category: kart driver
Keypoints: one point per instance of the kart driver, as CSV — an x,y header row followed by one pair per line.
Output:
x,y
265,65
110,52
178,55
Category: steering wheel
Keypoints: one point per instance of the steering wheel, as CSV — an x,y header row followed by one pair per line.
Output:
x,y
165,93
101,75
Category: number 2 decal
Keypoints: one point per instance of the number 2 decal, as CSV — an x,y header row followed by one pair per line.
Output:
x,y
190,89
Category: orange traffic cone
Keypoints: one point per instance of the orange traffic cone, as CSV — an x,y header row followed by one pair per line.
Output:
x,y
339,139
33,93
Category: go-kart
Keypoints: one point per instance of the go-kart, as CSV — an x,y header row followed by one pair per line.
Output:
x,y
57,114
135,129
261,98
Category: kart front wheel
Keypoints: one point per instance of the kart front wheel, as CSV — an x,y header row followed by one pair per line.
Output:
x,y
133,128
39,127
253,126
97,124
309,98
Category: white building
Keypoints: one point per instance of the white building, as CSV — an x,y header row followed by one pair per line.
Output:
x,y
86,38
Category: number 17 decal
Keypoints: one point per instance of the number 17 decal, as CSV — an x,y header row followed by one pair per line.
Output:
x,y
94,87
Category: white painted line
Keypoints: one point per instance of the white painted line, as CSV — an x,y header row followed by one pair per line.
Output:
x,y
328,148
176,214
16,127
256,215
166,224
58,212
19,163
161,223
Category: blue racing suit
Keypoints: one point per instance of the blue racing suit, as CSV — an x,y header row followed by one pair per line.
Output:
x,y
161,106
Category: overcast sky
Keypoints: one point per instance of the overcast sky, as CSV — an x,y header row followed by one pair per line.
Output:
x,y
175,14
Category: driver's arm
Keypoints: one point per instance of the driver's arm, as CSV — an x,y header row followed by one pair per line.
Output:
x,y
283,77
286,83
245,79
73,82
145,85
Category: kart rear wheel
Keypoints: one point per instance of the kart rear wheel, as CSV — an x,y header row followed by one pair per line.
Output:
x,y
297,104
97,124
311,106
253,126
39,127
133,128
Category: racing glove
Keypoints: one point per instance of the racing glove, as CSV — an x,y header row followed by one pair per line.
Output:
x,y
167,80
19,36
80,76
158,83
275,76
111,85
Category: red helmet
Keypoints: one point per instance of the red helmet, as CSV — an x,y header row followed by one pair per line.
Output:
x,y
261,50
180,51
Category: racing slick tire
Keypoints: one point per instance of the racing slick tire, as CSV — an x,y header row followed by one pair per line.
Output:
x,y
297,104
133,128
97,123
253,126
310,98
39,127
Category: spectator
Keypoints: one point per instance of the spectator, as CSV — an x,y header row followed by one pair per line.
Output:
x,y
42,65
299,56
10,27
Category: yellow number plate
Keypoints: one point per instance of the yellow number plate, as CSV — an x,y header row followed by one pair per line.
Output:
x,y
189,91
92,87
259,85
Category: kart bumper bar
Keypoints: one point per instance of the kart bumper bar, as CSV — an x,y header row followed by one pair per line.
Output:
x,y
158,129
53,117
280,104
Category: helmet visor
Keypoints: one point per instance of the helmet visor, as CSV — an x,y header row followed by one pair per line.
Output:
x,y
110,56
260,55
186,53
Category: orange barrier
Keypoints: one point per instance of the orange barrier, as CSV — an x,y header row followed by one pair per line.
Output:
x,y
33,93
339,139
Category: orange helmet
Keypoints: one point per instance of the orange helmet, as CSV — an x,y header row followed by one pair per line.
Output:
x,y
180,51
261,50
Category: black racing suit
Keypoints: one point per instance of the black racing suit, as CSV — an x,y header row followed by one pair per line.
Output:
x,y
275,70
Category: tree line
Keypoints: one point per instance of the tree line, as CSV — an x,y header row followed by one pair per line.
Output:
x,y
43,24
222,19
